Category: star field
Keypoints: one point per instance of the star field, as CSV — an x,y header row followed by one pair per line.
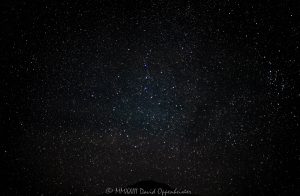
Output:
x,y
200,95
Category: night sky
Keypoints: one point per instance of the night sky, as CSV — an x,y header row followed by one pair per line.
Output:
x,y
200,95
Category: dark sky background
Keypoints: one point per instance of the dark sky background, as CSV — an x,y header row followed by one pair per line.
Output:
x,y
200,95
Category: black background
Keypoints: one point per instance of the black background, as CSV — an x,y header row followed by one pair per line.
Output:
x,y
199,95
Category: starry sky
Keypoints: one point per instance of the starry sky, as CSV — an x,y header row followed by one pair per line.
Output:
x,y
200,95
